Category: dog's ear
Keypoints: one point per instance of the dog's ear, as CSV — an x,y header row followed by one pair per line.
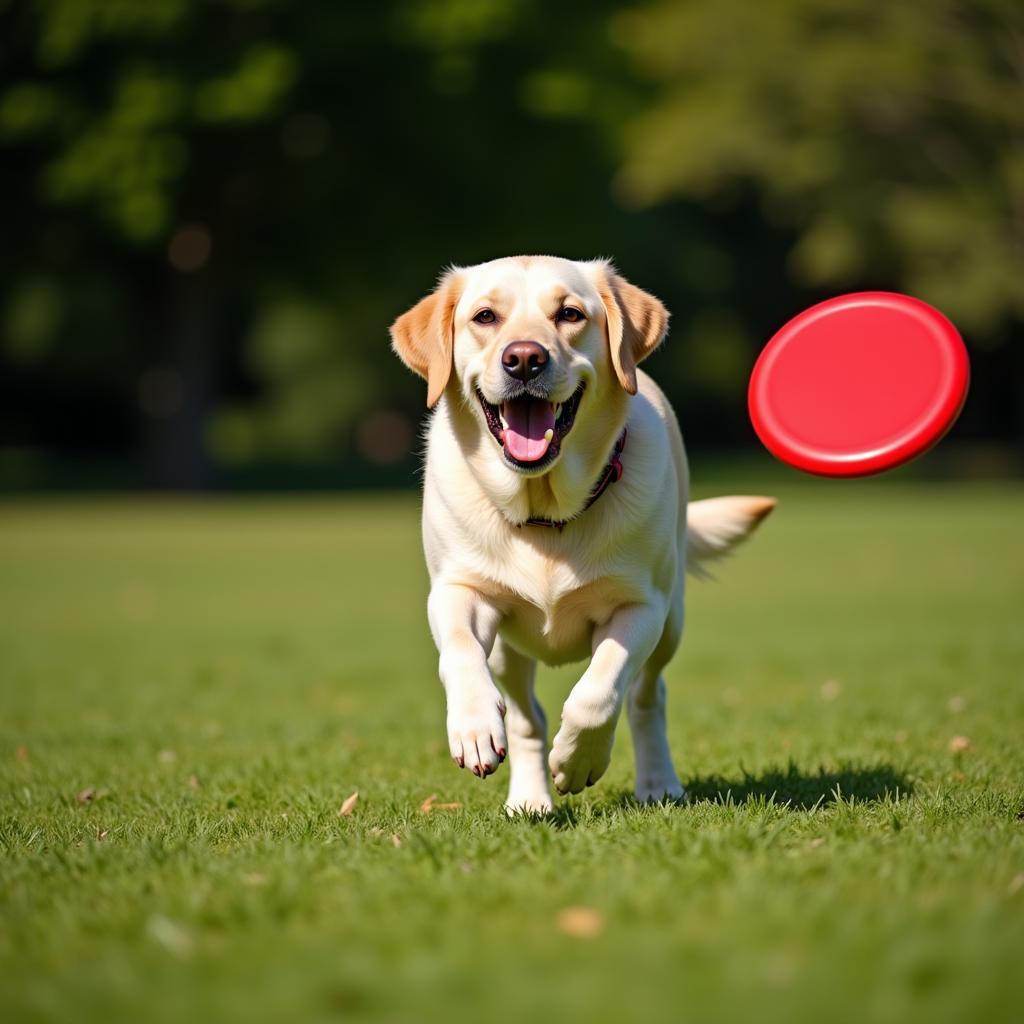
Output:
x,y
637,324
424,336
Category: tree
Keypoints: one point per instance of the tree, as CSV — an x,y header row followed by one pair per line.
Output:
x,y
244,193
219,205
890,136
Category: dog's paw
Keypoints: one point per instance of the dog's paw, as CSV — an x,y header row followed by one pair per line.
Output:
x,y
476,733
538,802
528,791
667,788
582,749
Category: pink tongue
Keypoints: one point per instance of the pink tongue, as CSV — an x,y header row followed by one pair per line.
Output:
x,y
528,421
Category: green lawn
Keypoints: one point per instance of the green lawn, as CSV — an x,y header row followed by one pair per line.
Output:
x,y
189,690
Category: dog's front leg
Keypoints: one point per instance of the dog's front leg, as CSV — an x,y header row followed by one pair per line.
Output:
x,y
464,625
582,749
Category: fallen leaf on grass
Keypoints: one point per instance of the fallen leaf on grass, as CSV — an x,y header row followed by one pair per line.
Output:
x,y
101,834
580,922
430,804
193,781
395,838
348,805
85,795
958,744
816,842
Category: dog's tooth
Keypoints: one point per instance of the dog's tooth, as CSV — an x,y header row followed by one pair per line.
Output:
x,y
504,422
548,435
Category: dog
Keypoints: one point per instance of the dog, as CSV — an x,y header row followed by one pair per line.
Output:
x,y
556,519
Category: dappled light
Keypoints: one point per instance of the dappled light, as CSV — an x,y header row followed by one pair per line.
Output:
x,y
209,189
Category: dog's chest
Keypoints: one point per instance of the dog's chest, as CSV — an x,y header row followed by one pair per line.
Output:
x,y
550,607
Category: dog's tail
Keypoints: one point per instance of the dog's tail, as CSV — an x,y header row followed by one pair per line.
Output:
x,y
715,526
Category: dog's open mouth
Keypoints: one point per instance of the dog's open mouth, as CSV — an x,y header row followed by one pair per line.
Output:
x,y
530,430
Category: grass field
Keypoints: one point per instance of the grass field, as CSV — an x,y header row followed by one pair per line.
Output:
x,y
190,690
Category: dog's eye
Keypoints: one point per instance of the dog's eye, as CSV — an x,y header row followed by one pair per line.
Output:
x,y
485,316
570,315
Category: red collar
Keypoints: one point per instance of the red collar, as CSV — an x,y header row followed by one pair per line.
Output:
x,y
611,474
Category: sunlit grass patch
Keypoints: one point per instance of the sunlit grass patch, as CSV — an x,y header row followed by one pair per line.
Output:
x,y
191,692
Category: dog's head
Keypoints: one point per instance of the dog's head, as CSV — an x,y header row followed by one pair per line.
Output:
x,y
534,345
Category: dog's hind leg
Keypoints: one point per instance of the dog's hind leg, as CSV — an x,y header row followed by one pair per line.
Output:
x,y
656,777
526,727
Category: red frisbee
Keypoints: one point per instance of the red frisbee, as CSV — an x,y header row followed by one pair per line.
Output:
x,y
858,384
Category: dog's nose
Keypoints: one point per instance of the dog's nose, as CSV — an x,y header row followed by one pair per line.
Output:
x,y
524,360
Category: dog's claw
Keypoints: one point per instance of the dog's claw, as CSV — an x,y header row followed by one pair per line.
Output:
x,y
476,733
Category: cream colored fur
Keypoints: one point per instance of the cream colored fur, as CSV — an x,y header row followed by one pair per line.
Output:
x,y
610,585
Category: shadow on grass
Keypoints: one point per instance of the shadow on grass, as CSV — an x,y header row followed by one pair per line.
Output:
x,y
791,787
799,789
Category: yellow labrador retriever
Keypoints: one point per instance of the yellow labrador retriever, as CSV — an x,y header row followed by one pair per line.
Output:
x,y
555,517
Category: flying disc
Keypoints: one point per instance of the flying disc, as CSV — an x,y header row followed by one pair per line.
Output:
x,y
858,384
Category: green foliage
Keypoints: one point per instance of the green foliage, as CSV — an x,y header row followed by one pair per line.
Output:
x,y
65,29
251,91
215,678
341,155
33,318
296,345
122,150
891,136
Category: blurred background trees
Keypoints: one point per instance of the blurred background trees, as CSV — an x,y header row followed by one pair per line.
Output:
x,y
212,210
